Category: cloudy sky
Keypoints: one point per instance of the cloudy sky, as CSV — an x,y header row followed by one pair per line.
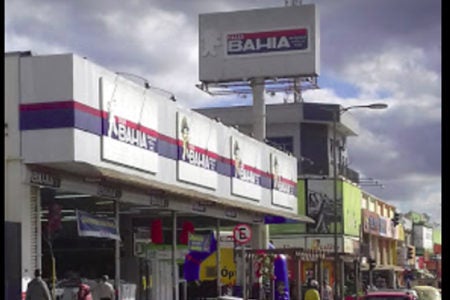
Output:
x,y
371,51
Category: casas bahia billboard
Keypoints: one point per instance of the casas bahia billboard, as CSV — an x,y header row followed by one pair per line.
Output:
x,y
262,43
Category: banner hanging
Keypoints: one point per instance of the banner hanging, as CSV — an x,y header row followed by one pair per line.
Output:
x,y
90,225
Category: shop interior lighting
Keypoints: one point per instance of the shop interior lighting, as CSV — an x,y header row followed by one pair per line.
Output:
x,y
68,196
105,202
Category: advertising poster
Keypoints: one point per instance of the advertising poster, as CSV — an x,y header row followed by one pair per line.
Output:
x,y
90,225
320,206
284,180
129,125
246,174
197,150
352,209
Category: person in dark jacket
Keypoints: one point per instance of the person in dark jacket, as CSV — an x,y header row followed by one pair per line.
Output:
x,y
37,289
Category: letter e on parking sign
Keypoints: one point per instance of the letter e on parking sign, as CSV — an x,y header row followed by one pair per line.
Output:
x,y
242,233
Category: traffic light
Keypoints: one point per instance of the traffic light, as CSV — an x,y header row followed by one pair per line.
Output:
x,y
396,219
411,252
372,263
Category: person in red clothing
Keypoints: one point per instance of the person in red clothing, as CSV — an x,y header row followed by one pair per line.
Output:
x,y
84,292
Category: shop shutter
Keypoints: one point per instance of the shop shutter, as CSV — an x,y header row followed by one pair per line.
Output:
x,y
34,228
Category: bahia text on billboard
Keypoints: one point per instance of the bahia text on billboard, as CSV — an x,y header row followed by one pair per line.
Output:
x,y
267,42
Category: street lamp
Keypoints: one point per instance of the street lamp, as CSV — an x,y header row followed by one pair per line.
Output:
x,y
336,113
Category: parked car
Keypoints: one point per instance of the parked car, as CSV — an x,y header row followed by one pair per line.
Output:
x,y
388,295
426,292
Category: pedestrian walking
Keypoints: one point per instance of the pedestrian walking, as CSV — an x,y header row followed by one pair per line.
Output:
x,y
37,289
105,290
84,292
313,291
327,291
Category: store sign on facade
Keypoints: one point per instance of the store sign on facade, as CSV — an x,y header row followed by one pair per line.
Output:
x,y
284,178
129,126
158,202
45,179
199,242
247,179
197,149
93,226
371,222
108,192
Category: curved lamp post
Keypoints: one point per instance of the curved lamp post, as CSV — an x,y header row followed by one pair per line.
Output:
x,y
337,291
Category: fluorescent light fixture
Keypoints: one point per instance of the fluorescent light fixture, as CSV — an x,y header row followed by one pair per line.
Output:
x,y
105,202
68,196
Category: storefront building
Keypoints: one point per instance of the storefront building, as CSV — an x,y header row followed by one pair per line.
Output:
x,y
380,238
90,153
316,201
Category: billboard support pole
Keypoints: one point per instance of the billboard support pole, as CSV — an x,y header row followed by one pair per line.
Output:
x,y
261,232
260,240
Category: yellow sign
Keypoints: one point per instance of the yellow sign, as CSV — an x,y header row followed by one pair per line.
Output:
x,y
227,267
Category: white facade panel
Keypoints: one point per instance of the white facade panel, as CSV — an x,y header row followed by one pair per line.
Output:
x,y
49,145
272,42
46,78
79,125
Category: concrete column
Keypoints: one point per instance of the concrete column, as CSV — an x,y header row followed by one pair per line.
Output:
x,y
260,232
117,249
174,257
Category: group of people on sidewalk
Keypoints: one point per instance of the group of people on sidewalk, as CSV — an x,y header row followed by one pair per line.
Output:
x,y
37,289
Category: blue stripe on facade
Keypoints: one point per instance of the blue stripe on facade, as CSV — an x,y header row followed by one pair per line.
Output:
x,y
266,182
167,149
87,122
63,118
224,168
46,119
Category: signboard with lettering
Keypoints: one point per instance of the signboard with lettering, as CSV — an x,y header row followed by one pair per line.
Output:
x,y
158,202
371,222
247,177
269,42
90,225
107,191
197,149
284,180
199,242
382,231
129,129
45,179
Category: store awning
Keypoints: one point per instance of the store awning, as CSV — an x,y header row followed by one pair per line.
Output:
x,y
90,172
268,213
271,219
